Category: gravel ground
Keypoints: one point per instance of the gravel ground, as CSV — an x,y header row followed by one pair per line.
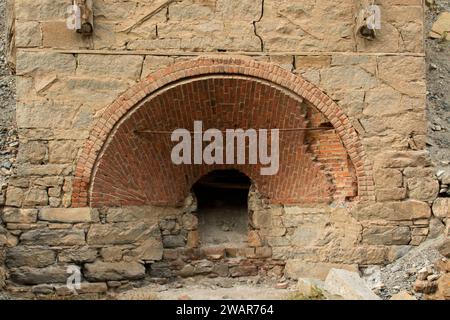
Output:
x,y
438,82
400,275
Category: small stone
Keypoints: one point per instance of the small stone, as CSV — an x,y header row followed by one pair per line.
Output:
x,y
402,295
282,285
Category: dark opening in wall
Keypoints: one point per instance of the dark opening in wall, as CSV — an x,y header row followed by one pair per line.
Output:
x,y
223,207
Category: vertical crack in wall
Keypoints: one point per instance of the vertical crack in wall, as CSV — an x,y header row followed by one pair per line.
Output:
x,y
254,26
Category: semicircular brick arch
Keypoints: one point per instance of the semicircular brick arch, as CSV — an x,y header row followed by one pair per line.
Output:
x,y
91,184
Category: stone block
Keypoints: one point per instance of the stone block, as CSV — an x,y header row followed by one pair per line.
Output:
x,y
113,271
77,255
15,215
66,215
388,178
348,285
35,197
32,276
423,188
441,208
381,235
58,237
28,34
120,233
56,35
95,65
14,196
45,62
22,256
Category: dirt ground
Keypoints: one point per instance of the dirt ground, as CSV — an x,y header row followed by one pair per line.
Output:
x,y
211,289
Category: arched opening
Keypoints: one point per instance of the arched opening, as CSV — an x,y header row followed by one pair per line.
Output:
x,y
222,198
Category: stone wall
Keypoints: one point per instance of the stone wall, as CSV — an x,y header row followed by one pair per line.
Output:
x,y
66,81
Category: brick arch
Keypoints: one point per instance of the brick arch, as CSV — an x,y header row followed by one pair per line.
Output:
x,y
164,80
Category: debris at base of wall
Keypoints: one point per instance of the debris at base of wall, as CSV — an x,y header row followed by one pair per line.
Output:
x,y
441,28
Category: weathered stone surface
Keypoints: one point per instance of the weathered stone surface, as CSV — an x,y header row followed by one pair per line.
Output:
x,y
77,255
297,268
254,239
14,196
444,248
43,62
403,295
111,254
150,250
53,237
107,271
13,215
173,241
388,178
28,34
62,151
423,188
30,257
35,197
66,215
86,287
436,228
34,152
148,213
441,28
56,35
379,235
402,159
348,285
30,276
393,211
391,194
189,221
441,208
120,233
307,286
128,67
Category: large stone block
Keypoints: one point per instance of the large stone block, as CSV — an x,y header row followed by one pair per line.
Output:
x,y
113,271
441,208
34,152
402,159
121,233
380,235
393,211
35,197
30,276
15,215
14,196
150,250
56,35
423,188
66,215
21,256
40,10
28,34
348,285
77,255
58,237
93,65
388,178
45,62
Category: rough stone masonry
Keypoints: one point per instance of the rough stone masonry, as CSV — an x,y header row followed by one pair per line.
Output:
x,y
88,191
